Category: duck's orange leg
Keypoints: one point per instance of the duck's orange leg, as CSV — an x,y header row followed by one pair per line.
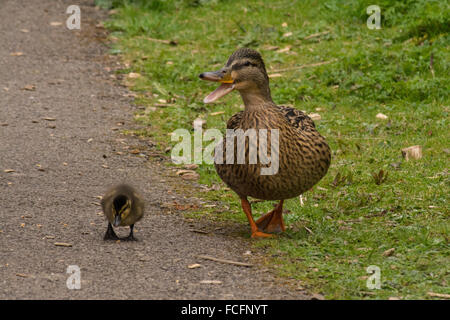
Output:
x,y
248,212
273,221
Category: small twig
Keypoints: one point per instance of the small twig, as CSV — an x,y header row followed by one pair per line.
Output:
x,y
62,244
243,264
171,42
199,231
314,35
303,66
439,295
308,229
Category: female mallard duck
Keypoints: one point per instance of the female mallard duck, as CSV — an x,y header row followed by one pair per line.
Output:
x,y
122,206
303,155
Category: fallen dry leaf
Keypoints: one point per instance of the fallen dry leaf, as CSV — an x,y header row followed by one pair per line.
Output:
x,y
315,116
29,87
191,166
194,266
55,23
287,34
190,176
17,54
22,275
133,75
389,252
381,116
414,152
9,170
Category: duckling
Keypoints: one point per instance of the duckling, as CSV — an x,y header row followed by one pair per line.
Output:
x,y
122,206
303,154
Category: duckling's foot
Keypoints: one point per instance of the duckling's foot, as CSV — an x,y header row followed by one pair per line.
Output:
x,y
130,236
110,234
272,222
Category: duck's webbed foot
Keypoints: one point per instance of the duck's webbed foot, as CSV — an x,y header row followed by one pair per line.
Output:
x,y
272,222
130,236
248,212
110,234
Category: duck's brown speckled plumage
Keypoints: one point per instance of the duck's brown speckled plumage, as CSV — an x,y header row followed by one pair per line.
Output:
x,y
304,155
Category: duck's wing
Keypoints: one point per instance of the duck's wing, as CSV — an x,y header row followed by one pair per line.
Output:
x,y
297,118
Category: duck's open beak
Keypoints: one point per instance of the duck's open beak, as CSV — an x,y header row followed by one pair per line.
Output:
x,y
226,84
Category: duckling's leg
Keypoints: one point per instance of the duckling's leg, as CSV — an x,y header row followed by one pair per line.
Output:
x,y
248,211
130,236
110,234
272,221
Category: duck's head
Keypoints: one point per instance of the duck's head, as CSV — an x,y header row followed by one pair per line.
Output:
x,y
121,209
244,71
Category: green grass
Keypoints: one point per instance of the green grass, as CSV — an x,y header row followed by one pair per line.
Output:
x,y
347,221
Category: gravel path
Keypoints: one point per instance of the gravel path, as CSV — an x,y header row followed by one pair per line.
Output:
x,y
59,151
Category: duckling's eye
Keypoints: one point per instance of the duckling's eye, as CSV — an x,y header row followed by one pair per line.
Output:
x,y
247,64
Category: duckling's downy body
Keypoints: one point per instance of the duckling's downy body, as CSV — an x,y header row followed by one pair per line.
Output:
x,y
303,154
122,206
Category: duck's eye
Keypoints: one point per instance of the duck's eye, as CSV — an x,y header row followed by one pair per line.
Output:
x,y
247,64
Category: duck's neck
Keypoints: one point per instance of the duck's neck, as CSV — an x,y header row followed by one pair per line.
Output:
x,y
255,99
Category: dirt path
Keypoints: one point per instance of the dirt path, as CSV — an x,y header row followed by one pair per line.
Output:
x,y
57,137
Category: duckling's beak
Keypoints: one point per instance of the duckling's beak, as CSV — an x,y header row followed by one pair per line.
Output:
x,y
117,220
226,83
